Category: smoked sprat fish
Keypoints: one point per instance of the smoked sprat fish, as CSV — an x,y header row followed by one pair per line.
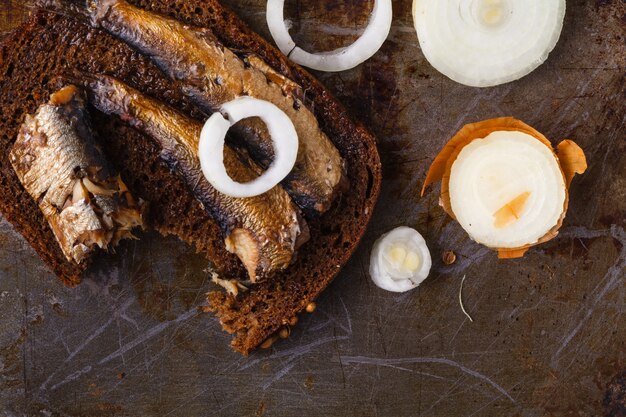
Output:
x,y
212,75
57,161
263,231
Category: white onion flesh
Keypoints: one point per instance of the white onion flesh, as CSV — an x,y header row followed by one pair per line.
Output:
x,y
211,147
400,260
483,43
340,59
489,173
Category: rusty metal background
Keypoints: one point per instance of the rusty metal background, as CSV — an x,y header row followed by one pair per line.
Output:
x,y
549,331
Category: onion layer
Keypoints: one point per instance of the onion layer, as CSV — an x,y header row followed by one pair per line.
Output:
x,y
503,182
483,43
400,260
211,147
340,59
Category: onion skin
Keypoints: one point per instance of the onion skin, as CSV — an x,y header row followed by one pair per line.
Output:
x,y
570,157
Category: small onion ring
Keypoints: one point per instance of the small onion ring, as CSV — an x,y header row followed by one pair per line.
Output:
x,y
384,276
340,59
211,146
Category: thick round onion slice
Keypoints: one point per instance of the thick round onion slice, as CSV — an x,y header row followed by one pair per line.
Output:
x,y
400,260
504,184
482,43
340,59
507,190
211,147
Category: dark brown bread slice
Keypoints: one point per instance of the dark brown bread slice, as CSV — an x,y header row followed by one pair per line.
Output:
x,y
48,45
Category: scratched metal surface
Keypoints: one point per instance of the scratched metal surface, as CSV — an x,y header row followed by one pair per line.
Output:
x,y
548,335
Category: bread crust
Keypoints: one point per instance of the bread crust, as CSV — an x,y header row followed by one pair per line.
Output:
x,y
48,45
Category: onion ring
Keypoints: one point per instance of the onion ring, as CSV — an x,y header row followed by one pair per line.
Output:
x,y
211,146
340,59
400,260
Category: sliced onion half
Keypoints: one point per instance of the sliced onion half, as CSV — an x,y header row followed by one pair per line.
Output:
x,y
483,43
211,147
340,59
505,185
400,260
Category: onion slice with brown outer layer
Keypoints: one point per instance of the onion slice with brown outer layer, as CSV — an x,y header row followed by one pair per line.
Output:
x,y
505,154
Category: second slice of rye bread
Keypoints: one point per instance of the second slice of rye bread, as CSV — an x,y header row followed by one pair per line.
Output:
x,y
48,45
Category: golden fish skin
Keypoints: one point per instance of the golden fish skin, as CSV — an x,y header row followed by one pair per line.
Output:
x,y
213,75
56,159
263,231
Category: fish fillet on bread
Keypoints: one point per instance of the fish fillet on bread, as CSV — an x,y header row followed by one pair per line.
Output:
x,y
52,44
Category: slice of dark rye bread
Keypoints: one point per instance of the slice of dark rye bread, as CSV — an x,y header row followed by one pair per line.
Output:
x,y
48,45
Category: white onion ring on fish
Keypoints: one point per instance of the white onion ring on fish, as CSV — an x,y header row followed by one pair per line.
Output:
x,y
340,59
211,147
